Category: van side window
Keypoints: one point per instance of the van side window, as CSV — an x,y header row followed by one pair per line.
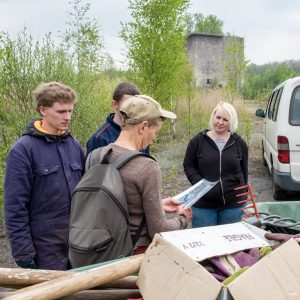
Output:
x,y
271,105
294,115
276,104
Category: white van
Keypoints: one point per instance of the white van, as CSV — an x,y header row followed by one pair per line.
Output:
x,y
281,137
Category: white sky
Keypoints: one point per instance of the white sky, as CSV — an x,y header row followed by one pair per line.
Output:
x,y
271,28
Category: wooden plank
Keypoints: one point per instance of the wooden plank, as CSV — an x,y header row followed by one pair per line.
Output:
x,y
19,278
14,277
80,281
121,294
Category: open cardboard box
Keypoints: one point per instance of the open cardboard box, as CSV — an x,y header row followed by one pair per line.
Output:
x,y
168,272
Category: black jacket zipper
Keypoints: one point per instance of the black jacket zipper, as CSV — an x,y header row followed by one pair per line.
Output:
x,y
221,183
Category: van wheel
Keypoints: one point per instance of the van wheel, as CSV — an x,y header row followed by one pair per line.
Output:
x,y
278,193
262,155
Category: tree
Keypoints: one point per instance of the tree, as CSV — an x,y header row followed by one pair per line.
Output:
x,y
260,80
234,64
155,41
81,39
201,24
83,46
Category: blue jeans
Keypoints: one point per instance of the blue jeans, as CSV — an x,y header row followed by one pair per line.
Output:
x,y
210,217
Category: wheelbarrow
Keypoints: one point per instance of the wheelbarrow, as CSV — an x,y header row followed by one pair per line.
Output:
x,y
277,217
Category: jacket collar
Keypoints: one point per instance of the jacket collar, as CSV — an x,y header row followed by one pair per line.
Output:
x,y
33,130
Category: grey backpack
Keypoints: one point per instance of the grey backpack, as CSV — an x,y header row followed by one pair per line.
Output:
x,y
99,220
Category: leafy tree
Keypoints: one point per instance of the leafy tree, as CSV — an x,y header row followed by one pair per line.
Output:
x,y
234,64
83,45
201,24
81,39
155,40
261,80
23,65
294,64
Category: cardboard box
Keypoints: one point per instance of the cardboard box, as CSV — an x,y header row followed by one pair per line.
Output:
x,y
169,273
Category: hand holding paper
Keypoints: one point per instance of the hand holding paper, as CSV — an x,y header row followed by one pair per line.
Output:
x,y
195,192
170,204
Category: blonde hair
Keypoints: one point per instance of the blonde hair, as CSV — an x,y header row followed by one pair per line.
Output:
x,y
229,111
151,123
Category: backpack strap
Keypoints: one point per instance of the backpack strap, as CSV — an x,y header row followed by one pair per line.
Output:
x,y
119,163
93,158
136,237
105,157
125,157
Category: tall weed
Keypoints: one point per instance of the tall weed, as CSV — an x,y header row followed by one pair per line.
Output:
x,y
193,114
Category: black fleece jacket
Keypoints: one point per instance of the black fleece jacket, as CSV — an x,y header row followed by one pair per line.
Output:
x,y
230,166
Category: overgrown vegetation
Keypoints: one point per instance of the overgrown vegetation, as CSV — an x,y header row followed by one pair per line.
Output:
x,y
157,64
260,80
234,64
78,61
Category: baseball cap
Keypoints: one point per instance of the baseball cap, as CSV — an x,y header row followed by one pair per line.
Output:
x,y
141,108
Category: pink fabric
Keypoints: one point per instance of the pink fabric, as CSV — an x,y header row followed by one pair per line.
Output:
x,y
280,237
220,270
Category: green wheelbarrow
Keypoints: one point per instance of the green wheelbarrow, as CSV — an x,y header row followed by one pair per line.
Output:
x,y
277,217
280,217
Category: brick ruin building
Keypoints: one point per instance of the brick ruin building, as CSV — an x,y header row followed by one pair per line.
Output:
x,y
207,54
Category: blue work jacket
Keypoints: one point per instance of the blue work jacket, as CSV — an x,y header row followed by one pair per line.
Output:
x,y
42,171
105,135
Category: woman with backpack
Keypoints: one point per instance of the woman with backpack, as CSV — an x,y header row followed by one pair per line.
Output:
x,y
143,117
218,154
117,207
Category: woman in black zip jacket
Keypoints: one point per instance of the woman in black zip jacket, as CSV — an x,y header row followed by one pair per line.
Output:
x,y
218,154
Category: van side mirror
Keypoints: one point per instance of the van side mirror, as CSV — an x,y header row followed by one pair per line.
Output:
x,y
260,113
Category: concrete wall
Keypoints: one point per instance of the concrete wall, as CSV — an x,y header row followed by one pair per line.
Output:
x,y
207,54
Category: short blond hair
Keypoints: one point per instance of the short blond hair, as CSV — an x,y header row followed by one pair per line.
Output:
x,y
229,111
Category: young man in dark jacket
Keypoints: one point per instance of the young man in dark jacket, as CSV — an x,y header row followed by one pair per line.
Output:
x,y
110,130
43,167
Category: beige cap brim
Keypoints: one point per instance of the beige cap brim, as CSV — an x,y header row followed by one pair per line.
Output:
x,y
167,114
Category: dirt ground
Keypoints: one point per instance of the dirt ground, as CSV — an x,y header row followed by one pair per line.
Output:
x,y
174,180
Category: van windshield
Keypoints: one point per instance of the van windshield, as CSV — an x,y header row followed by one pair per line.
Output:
x,y
294,116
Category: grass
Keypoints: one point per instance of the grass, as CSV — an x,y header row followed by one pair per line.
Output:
x,y
193,115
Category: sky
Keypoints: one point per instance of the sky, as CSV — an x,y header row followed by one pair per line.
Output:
x,y
271,28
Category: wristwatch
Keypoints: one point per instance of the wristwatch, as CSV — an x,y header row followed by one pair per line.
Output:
x,y
183,221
